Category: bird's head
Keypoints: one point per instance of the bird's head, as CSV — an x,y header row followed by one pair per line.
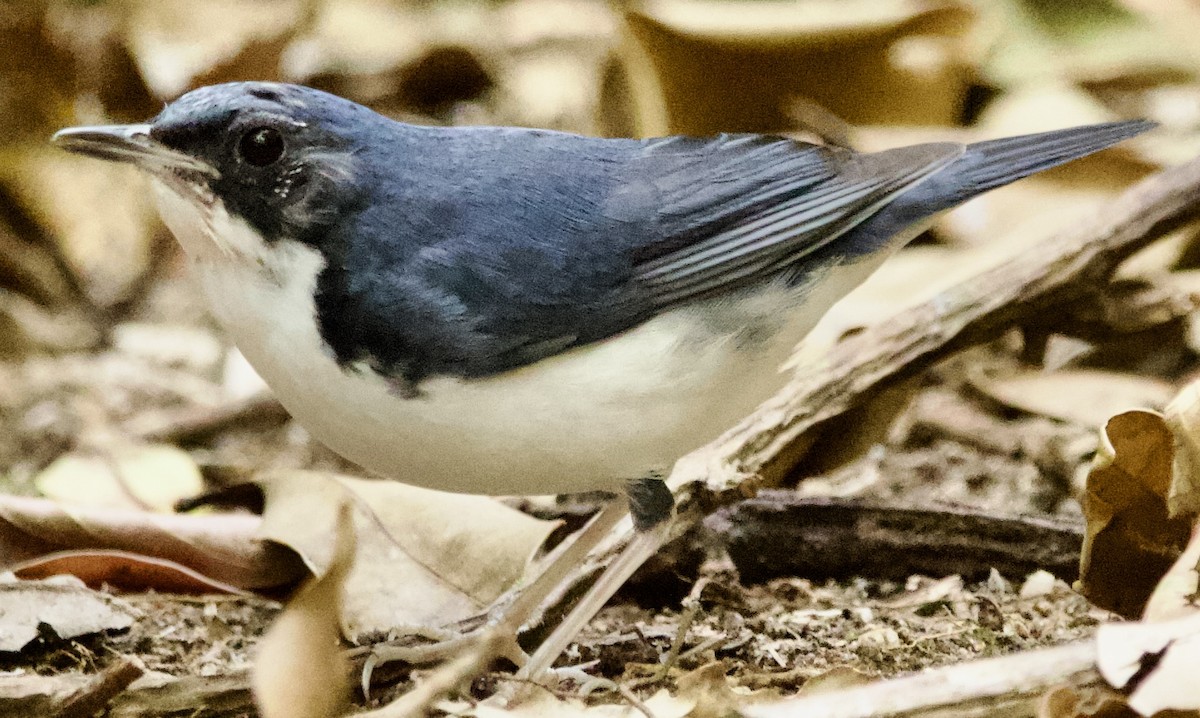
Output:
x,y
279,159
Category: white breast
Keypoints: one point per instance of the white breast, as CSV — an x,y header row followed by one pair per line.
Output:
x,y
586,419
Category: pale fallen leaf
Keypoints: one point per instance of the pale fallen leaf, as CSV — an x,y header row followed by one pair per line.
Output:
x,y
86,480
1082,396
175,345
368,36
1182,415
911,277
1177,20
300,670
152,477
1155,662
69,609
1130,541
526,23
425,558
1176,595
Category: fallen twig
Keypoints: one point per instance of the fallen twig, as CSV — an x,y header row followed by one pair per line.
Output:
x,y
779,533
1127,656
1009,685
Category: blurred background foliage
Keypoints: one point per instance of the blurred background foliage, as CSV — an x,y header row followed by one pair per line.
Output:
x,y
84,261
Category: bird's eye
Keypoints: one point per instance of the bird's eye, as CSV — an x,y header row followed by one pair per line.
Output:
x,y
261,146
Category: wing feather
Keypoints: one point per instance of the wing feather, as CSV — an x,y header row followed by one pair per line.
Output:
x,y
776,216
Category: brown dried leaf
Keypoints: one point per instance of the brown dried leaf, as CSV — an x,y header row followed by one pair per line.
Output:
x,y
223,547
1130,541
425,558
124,571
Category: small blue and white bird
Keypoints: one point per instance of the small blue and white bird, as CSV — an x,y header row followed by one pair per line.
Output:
x,y
517,311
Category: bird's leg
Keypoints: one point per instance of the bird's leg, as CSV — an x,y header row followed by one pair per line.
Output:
x,y
519,606
523,602
651,504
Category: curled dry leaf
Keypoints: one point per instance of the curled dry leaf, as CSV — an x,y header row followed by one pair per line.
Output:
x,y
1130,540
301,670
69,609
425,558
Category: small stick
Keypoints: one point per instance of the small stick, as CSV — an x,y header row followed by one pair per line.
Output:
x,y
769,536
96,695
691,610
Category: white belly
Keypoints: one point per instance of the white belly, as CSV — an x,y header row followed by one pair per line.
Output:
x,y
587,419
